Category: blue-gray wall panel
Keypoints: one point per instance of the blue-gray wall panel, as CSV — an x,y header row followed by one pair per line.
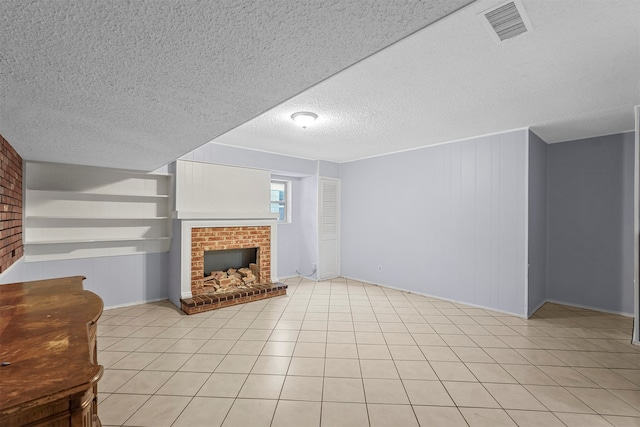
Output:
x,y
118,280
431,218
495,219
627,241
537,222
306,240
511,228
457,234
290,234
483,214
590,183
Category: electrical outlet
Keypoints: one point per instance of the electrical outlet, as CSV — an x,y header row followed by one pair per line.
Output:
x,y
379,268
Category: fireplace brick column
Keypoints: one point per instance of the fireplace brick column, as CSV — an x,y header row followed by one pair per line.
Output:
x,y
223,238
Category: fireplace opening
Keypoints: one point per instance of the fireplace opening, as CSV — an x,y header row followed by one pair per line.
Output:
x,y
222,260
231,268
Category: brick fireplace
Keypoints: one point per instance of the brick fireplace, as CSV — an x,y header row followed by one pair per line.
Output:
x,y
200,237
205,239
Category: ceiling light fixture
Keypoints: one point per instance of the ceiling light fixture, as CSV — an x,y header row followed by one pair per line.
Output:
x,y
304,118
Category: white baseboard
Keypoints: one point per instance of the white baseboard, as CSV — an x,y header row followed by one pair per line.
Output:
x,y
128,304
570,304
620,313
287,277
439,297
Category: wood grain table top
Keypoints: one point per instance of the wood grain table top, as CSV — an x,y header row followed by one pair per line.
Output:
x,y
44,338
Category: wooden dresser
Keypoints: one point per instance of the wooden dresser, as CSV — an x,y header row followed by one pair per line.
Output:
x,y
48,338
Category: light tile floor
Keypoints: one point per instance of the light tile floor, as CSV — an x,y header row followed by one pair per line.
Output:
x,y
345,353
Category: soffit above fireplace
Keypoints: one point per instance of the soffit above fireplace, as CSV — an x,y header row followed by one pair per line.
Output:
x,y
212,191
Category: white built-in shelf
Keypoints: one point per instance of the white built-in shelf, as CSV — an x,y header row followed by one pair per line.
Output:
x,y
74,195
75,218
68,242
80,212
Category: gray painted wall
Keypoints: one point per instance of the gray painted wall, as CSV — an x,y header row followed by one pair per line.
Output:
x,y
590,215
118,280
174,280
289,235
308,231
537,222
627,242
447,221
236,156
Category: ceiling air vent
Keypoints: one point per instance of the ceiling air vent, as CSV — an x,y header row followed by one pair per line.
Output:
x,y
506,21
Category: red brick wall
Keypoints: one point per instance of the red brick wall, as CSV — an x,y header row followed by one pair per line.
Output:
x,y
222,238
11,202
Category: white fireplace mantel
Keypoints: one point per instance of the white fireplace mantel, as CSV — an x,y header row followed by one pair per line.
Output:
x,y
185,243
224,215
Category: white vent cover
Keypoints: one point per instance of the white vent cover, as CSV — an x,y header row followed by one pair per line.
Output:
x,y
506,21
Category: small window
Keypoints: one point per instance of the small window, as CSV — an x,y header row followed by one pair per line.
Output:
x,y
280,199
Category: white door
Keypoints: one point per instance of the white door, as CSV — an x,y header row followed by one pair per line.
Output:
x,y
329,230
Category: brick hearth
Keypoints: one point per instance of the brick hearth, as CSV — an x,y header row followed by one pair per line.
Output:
x,y
206,302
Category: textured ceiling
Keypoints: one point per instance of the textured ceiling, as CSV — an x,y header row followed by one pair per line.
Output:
x,y
576,75
136,84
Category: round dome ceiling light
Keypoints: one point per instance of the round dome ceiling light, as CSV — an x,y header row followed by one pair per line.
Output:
x,y
304,118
